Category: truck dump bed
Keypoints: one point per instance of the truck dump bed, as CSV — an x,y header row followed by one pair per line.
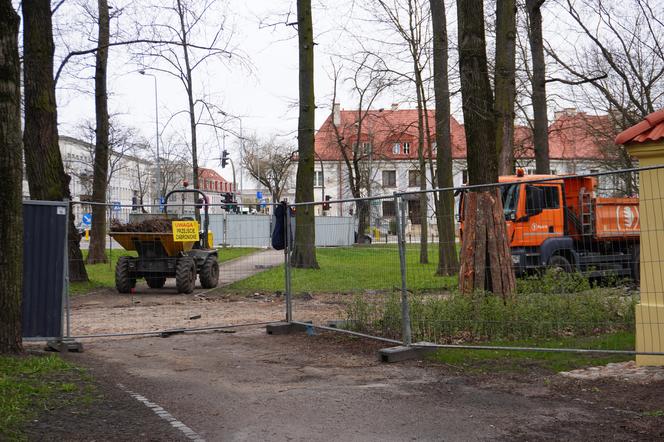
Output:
x,y
616,218
601,218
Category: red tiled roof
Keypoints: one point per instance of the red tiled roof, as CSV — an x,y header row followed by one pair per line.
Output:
x,y
574,136
382,128
210,174
648,130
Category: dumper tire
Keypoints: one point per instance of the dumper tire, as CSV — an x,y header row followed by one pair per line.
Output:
x,y
185,275
209,274
561,263
156,282
123,280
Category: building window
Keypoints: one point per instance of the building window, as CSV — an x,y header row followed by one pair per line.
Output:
x,y
406,148
318,178
434,146
389,178
366,148
396,148
414,178
389,210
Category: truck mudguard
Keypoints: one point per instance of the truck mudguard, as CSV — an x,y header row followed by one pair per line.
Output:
x,y
552,245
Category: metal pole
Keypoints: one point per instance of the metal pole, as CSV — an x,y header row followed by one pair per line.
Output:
x,y
241,158
287,272
156,113
65,271
405,308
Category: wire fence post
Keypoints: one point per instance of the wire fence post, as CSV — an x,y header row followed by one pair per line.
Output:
x,y
401,230
287,268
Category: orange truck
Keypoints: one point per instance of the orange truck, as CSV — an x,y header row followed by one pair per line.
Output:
x,y
562,223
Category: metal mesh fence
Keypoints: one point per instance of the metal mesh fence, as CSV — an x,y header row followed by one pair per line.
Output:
x,y
575,246
146,280
584,250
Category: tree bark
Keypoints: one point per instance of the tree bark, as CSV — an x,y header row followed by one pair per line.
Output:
x,y
97,252
304,252
424,199
44,168
540,123
505,86
448,261
190,101
485,241
11,176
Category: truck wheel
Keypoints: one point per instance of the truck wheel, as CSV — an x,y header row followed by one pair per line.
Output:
x,y
636,263
560,262
185,274
123,280
209,274
156,282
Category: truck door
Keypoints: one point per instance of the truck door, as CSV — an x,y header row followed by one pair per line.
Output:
x,y
543,214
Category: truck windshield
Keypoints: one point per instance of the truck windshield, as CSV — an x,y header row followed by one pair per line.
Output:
x,y
510,195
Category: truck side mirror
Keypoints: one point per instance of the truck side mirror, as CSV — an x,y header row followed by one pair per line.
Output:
x,y
534,200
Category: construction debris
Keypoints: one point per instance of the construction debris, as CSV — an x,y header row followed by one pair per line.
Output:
x,y
151,225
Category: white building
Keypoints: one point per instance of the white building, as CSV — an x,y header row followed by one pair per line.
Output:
x,y
383,144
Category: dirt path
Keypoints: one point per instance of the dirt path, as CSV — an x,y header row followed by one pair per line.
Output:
x,y
250,386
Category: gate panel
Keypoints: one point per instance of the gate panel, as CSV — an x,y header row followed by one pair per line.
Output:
x,y
44,254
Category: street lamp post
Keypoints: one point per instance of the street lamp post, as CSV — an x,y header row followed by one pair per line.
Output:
x,y
156,114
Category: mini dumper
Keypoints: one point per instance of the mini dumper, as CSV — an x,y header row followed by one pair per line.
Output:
x,y
160,256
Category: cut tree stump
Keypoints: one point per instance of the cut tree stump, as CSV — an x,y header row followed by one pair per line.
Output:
x,y
486,261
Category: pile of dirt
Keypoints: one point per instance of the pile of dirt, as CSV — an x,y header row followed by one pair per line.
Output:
x,y
151,225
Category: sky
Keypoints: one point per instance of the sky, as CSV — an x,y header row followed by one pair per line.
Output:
x,y
261,89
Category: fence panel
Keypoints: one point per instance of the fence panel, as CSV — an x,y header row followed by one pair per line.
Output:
x,y
44,266
574,248
144,287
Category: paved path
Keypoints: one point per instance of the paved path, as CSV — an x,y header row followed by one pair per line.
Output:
x,y
240,268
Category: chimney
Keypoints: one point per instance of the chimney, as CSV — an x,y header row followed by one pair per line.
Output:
x,y
336,114
395,106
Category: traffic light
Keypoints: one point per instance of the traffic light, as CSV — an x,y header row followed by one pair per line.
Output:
x,y
326,204
224,158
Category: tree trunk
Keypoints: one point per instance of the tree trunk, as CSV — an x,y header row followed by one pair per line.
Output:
x,y
424,200
11,177
505,86
44,168
484,236
540,123
486,261
190,102
304,252
448,262
97,252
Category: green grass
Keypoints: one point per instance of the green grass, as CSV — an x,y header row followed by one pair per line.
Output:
x,y
103,275
229,253
355,269
488,361
28,385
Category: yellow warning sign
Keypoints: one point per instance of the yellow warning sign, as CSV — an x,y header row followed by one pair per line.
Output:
x,y
185,231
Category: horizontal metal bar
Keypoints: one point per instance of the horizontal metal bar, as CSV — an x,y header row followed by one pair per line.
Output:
x,y
64,203
170,204
539,349
157,333
481,186
348,332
